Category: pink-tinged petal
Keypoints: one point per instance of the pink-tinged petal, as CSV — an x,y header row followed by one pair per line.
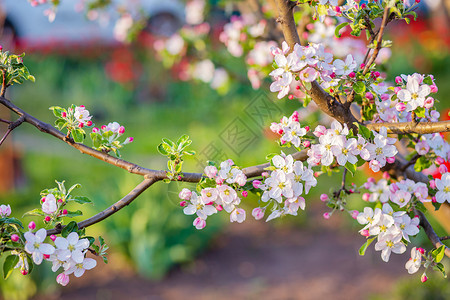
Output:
x,y
277,72
46,249
29,247
61,243
72,238
189,210
37,257
77,256
63,255
275,86
209,210
281,61
78,272
424,91
89,263
82,244
404,95
40,235
29,237
412,85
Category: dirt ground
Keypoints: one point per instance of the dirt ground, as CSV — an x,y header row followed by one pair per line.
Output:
x,y
258,261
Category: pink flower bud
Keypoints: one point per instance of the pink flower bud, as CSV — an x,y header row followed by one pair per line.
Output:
x,y
60,200
397,89
43,199
82,106
265,174
53,237
333,75
326,216
1,47
423,278
324,197
433,199
432,184
219,180
352,75
183,203
320,130
89,123
244,194
439,160
355,214
121,130
32,225
400,106
363,6
46,256
369,95
199,223
443,169
219,207
24,272
295,116
421,250
103,127
47,219
80,125
14,237
306,144
367,185
95,130
386,174
385,97
417,1
129,140
62,279
351,191
371,180
434,88
398,80
366,196
291,97
64,212
365,233
64,114
258,213
429,102
362,66
256,183
393,188
390,160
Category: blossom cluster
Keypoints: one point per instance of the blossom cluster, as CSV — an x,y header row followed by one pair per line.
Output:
x,y
69,253
284,187
308,63
337,142
52,207
290,131
220,193
392,229
107,137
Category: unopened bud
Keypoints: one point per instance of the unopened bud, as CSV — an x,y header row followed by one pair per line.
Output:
x,y
326,216
183,203
355,214
47,219
14,237
89,123
366,196
424,278
32,225
306,144
365,232
324,197
53,237
244,194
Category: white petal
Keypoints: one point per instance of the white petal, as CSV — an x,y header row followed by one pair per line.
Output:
x,y
40,235
46,249
61,243
89,263
72,238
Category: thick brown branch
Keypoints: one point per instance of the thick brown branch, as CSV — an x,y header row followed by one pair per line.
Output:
x,y
139,189
324,101
412,127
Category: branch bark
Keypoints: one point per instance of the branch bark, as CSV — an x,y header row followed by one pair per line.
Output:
x,y
138,190
412,127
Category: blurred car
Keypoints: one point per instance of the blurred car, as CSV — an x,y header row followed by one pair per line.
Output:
x,y
30,26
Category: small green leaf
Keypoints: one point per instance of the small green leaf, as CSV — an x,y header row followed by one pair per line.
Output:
x,y
34,212
78,135
75,186
9,264
338,28
351,168
169,142
162,150
363,248
440,267
440,253
191,152
182,139
81,199
359,87
71,227
71,214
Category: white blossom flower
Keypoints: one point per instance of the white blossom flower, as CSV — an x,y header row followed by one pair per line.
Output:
x,y
238,215
78,269
36,247
407,226
344,68
343,150
413,264
388,243
49,206
71,247
414,95
443,186
198,206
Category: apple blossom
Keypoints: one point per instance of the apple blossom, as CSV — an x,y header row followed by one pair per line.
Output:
x,y
35,246
443,186
78,268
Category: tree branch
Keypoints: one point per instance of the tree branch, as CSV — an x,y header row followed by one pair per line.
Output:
x,y
139,189
412,127
434,238
11,127
324,101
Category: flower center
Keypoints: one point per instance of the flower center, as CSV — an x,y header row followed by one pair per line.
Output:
x,y
379,151
208,194
226,192
447,189
390,244
71,247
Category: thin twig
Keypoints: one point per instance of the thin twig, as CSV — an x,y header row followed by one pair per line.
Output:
x,y
434,238
412,127
2,93
139,189
447,237
5,121
11,127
